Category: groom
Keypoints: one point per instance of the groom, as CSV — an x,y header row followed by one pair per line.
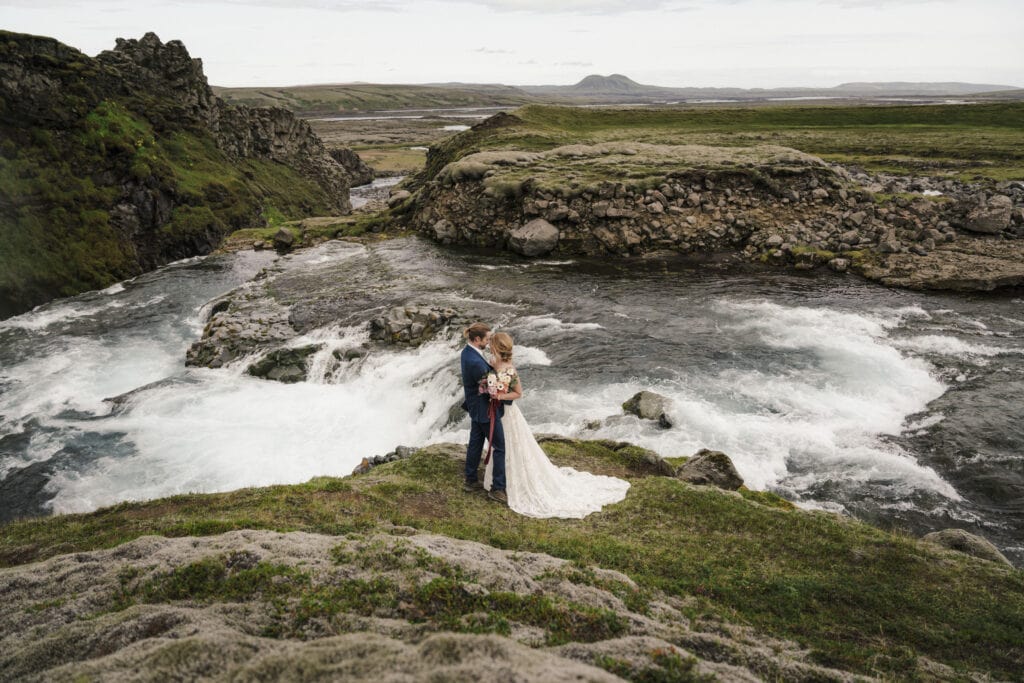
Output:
x,y
474,368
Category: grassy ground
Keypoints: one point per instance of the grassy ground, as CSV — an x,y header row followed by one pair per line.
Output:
x,y
354,97
860,598
978,141
392,160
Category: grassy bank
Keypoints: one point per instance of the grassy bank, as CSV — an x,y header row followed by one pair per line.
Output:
x,y
860,598
362,97
968,142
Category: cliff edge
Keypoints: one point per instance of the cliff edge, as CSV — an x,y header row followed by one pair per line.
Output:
x,y
114,165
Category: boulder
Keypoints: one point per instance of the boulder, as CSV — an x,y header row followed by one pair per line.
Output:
x,y
710,468
444,231
648,405
398,197
536,238
968,543
283,240
990,217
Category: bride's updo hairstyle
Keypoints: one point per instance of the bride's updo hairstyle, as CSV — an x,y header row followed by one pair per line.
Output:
x,y
502,345
476,331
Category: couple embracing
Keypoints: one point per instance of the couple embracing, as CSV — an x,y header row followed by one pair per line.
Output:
x,y
517,472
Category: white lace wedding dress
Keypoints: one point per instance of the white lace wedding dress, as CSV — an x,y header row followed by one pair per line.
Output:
x,y
537,488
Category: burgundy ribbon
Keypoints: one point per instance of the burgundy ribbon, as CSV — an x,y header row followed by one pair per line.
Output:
x,y
492,413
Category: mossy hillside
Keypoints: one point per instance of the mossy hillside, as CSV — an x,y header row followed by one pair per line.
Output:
x,y
980,141
859,598
59,186
77,141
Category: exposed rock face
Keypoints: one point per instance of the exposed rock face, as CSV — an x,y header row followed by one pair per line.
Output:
x,y
411,325
125,128
536,238
966,542
276,134
771,204
648,405
259,605
164,68
240,325
284,365
358,172
964,265
710,468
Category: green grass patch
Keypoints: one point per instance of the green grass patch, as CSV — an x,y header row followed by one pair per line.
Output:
x,y
860,598
981,141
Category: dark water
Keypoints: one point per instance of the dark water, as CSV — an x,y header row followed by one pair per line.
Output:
x,y
901,408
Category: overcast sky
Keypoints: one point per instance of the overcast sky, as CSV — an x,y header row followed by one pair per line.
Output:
x,y
745,43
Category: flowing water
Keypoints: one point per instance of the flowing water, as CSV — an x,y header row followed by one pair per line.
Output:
x,y
901,408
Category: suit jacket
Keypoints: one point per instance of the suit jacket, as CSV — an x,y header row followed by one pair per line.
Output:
x,y
474,369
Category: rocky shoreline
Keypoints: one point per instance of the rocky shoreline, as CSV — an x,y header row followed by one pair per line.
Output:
x,y
768,204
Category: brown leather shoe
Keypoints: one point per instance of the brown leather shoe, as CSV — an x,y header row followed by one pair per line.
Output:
x,y
498,497
472,486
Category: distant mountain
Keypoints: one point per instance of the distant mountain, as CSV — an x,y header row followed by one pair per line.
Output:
x,y
352,98
616,83
617,86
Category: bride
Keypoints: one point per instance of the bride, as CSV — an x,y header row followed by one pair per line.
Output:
x,y
535,486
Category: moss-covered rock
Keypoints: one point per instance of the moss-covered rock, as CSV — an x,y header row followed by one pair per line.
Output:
x,y
114,165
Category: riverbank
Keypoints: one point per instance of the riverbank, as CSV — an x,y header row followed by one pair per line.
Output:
x,y
747,585
555,181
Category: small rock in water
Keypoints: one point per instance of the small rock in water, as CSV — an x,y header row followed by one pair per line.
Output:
x,y
649,406
283,240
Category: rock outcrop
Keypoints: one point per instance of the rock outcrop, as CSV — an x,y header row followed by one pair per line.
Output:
x,y
966,542
130,162
358,172
710,468
769,204
411,325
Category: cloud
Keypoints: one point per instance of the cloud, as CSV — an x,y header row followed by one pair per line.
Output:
x,y
493,51
574,64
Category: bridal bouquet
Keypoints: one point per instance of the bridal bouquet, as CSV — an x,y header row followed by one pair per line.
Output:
x,y
494,383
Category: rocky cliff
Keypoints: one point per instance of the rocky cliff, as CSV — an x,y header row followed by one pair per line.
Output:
x,y
114,165
764,202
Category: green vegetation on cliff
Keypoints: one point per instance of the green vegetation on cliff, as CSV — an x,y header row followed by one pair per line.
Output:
x,y
102,179
861,599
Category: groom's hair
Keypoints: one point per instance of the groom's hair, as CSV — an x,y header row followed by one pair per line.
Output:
x,y
476,331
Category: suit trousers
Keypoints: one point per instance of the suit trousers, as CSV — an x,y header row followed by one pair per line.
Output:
x,y
474,452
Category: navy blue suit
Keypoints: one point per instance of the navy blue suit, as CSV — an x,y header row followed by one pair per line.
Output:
x,y
474,369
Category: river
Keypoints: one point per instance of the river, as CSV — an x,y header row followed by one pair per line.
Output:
x,y
900,408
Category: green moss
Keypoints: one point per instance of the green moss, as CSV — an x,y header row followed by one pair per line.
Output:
x,y
859,598
766,498
58,186
821,255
